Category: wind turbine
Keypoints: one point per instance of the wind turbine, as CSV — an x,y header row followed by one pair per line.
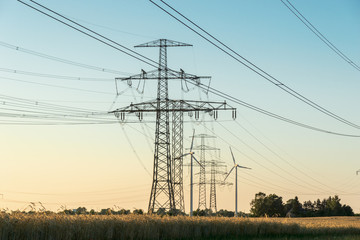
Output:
x,y
191,153
236,166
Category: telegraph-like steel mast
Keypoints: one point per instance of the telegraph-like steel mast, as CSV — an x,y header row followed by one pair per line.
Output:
x,y
214,164
162,177
167,186
202,175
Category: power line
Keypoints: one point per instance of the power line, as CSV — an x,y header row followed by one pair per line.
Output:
x,y
129,199
110,28
102,36
252,66
258,163
264,183
30,112
214,45
273,163
260,110
211,90
273,115
56,86
38,104
45,75
24,111
274,144
62,77
276,154
62,60
134,151
313,29
128,189
126,51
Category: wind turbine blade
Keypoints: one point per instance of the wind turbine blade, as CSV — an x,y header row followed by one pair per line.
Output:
x,y
192,141
197,161
232,156
242,167
229,173
185,154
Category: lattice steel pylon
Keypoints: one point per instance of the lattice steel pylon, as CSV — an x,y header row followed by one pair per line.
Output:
x,y
167,186
213,206
202,174
177,156
162,175
214,165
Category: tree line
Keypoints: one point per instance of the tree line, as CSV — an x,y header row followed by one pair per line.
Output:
x,y
273,206
262,206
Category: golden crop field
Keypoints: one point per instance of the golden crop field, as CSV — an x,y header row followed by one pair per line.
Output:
x,y
90,227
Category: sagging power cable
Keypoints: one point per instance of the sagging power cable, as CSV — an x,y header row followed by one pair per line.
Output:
x,y
237,57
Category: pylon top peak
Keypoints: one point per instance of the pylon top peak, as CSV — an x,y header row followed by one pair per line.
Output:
x,y
164,43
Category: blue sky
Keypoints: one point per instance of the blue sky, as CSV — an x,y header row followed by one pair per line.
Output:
x,y
94,165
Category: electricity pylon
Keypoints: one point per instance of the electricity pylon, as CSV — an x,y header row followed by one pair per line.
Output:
x,y
214,164
167,187
202,175
236,166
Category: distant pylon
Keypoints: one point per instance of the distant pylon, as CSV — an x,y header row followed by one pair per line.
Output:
x,y
213,206
214,164
202,175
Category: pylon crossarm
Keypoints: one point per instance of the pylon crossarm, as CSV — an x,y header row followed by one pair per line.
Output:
x,y
208,172
164,43
219,182
205,147
172,74
187,106
154,75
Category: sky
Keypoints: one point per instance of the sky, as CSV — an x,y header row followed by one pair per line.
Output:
x,y
98,162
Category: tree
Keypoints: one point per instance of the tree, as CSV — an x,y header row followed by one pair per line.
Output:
x,y
225,213
124,212
202,212
258,205
138,211
348,211
272,206
333,206
106,211
81,210
263,205
293,207
309,209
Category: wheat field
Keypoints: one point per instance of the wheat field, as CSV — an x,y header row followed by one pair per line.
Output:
x,y
90,227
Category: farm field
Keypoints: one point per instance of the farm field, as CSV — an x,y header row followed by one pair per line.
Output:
x,y
58,226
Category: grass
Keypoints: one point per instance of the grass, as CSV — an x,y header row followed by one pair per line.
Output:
x,y
90,227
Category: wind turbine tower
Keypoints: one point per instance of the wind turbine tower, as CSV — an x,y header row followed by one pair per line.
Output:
x,y
236,166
